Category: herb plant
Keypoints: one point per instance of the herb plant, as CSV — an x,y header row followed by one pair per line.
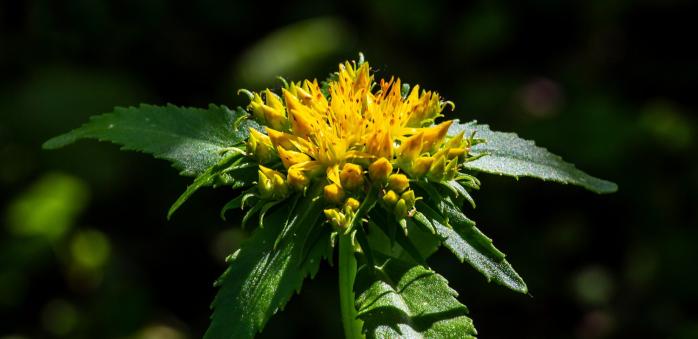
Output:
x,y
352,165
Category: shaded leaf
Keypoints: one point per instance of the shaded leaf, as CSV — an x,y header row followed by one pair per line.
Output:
x,y
232,170
261,279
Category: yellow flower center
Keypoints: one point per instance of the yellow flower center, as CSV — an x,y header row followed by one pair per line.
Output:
x,y
360,134
359,121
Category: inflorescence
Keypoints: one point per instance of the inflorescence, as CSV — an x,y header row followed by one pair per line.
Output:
x,y
358,138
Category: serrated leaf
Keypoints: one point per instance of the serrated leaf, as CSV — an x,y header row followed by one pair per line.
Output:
x,y
193,139
261,279
469,244
508,154
406,300
230,170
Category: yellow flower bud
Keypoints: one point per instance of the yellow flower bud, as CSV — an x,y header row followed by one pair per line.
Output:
x,y
421,166
333,193
351,176
455,153
297,179
427,106
390,198
456,141
265,186
410,149
318,101
398,182
301,93
400,209
290,158
351,205
274,101
274,117
301,116
379,170
363,79
280,186
281,139
300,175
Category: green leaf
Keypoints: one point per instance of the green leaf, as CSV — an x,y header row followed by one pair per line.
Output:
x,y
420,244
406,300
193,139
507,154
468,244
261,278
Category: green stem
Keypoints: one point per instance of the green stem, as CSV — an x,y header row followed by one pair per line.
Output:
x,y
347,273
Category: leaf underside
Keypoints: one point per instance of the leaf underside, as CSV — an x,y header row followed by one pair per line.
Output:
x,y
193,139
508,154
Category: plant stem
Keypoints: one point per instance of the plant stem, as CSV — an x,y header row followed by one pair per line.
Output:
x,y
347,273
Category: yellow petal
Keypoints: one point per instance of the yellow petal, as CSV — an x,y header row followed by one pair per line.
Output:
x,y
332,173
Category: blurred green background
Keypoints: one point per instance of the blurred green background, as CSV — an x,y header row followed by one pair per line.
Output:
x,y
86,252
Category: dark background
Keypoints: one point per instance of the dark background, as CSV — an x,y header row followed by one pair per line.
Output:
x,y
86,252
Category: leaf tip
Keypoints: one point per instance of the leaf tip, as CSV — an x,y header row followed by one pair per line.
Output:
x,y
58,142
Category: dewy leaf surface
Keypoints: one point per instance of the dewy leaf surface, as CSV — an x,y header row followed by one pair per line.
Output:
x,y
262,278
468,243
191,138
406,300
508,154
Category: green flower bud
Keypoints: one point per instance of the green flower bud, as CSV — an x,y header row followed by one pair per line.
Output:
x,y
351,205
400,209
255,106
335,217
259,145
421,166
436,171
451,169
264,186
409,198
271,184
390,198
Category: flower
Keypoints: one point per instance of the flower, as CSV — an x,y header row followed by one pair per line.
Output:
x,y
354,136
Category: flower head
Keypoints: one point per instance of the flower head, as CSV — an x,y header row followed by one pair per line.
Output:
x,y
355,134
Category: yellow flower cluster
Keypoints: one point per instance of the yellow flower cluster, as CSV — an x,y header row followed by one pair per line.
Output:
x,y
361,135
